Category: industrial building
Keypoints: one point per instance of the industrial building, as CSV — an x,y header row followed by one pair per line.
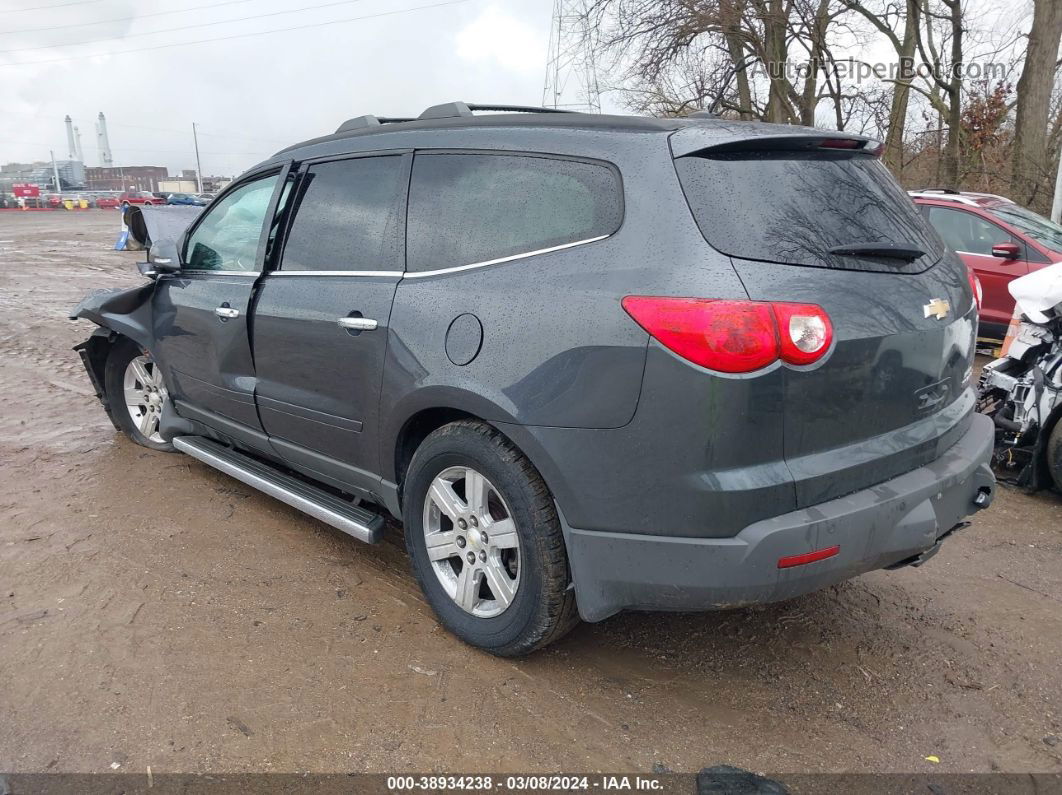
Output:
x,y
75,176
125,177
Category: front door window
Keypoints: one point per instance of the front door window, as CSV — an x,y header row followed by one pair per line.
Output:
x,y
229,237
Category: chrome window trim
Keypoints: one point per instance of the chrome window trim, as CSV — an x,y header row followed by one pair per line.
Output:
x,y
336,273
455,269
500,260
219,271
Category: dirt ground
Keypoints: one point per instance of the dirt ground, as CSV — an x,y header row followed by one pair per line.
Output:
x,y
156,613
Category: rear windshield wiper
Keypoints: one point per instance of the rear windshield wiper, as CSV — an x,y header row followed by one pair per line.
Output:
x,y
888,250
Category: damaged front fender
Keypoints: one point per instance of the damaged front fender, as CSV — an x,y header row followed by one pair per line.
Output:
x,y
125,311
118,312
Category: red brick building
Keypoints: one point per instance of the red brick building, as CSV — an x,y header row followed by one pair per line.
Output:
x,y
124,177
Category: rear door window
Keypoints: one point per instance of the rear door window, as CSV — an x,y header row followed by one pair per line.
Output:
x,y
348,217
965,232
792,207
467,209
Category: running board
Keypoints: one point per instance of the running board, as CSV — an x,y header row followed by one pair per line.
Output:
x,y
318,503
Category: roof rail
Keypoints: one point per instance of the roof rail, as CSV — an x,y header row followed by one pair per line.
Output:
x,y
949,196
950,191
453,110
361,122
703,114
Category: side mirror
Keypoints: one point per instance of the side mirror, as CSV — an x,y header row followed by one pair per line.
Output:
x,y
1006,250
164,257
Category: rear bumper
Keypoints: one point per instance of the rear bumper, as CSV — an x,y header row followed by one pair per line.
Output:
x,y
895,522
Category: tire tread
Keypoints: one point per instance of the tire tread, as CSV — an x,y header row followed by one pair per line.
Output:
x,y
560,614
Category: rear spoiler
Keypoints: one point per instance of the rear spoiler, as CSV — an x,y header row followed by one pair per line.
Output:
x,y
718,139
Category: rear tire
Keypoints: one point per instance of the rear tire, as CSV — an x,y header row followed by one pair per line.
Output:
x,y
497,576
1054,455
135,394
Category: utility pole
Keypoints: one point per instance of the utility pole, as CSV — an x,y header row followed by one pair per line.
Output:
x,y
1056,205
572,41
198,167
55,170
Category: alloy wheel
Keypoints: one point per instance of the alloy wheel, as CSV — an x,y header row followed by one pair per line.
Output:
x,y
472,541
144,395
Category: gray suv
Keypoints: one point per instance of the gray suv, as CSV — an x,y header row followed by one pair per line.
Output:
x,y
592,363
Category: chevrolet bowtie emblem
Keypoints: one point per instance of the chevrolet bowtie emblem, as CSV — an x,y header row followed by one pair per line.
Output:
x,y
937,308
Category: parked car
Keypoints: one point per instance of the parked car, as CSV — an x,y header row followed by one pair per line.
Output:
x,y
107,202
185,199
593,363
139,197
997,239
206,197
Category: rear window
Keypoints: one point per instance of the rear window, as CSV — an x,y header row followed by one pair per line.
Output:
x,y
792,207
467,209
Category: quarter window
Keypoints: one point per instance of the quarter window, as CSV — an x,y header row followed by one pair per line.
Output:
x,y
347,217
468,209
229,235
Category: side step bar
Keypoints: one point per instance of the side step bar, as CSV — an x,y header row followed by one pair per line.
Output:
x,y
318,503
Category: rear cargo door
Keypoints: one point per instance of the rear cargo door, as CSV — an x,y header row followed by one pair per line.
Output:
x,y
892,394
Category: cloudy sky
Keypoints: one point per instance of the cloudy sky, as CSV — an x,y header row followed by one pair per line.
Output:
x,y
249,95
258,75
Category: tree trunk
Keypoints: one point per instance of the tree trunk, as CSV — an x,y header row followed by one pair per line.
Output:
x,y
809,98
730,13
950,172
1029,157
893,155
774,41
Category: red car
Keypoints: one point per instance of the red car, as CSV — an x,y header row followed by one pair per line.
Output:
x,y
997,239
139,197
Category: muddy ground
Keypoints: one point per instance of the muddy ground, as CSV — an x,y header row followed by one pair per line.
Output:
x,y
156,613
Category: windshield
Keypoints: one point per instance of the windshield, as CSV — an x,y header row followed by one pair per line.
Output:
x,y
1035,226
793,207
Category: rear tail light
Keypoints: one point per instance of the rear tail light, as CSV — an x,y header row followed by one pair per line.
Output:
x,y
734,336
975,286
804,332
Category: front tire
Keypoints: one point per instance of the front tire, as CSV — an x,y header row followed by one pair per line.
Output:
x,y
135,393
485,541
1054,455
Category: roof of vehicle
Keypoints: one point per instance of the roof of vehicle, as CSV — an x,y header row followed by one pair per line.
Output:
x,y
968,198
462,115
565,120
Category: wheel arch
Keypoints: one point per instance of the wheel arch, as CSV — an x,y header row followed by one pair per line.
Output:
x,y
415,430
420,419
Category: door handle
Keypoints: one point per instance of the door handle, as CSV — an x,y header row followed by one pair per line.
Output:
x,y
357,323
226,312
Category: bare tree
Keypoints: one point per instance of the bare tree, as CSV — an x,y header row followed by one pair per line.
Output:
x,y
885,17
743,46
